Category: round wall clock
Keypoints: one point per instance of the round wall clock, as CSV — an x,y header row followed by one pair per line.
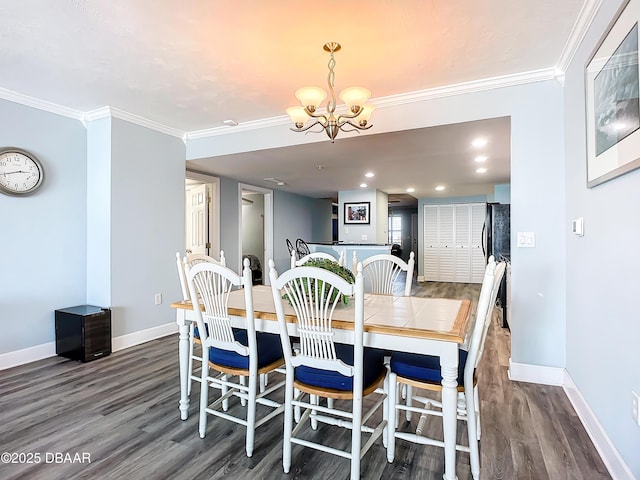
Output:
x,y
21,172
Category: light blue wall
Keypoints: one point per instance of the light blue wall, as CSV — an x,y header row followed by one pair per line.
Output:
x,y
43,236
229,226
147,218
502,193
321,226
352,233
99,212
603,325
292,219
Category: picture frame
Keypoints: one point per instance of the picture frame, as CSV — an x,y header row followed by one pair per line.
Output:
x,y
612,87
357,213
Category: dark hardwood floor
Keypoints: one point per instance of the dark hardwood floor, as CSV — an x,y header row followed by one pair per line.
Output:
x,y
122,413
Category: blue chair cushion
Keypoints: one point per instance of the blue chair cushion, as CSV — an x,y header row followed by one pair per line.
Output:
x,y
269,350
196,333
424,368
373,362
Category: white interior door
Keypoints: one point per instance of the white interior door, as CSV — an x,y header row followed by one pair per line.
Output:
x,y
197,218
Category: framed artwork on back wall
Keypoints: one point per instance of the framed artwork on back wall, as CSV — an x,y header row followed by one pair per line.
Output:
x,y
357,212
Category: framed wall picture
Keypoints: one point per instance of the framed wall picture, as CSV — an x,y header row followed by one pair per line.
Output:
x,y
357,212
612,83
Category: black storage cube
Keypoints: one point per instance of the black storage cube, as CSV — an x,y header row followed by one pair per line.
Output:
x,y
83,332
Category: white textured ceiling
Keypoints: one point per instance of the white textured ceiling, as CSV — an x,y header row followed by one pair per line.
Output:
x,y
190,64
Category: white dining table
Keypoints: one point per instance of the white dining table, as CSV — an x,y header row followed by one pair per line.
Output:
x,y
430,326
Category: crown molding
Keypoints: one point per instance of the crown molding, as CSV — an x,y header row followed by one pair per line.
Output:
x,y
466,87
578,31
40,104
241,127
400,99
105,112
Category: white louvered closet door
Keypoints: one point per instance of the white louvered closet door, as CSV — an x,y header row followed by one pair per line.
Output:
x,y
430,244
478,261
446,244
463,243
453,243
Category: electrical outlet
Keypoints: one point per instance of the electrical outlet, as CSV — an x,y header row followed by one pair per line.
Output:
x,y
346,229
158,298
635,406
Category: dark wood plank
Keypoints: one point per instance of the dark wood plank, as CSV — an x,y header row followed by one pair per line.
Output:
x,y
123,411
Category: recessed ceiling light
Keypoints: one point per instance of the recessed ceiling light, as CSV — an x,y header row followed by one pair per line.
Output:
x,y
363,185
440,188
481,158
481,170
411,190
479,142
369,174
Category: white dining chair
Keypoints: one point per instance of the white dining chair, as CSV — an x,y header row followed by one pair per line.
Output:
x,y
423,371
382,271
324,368
194,335
232,352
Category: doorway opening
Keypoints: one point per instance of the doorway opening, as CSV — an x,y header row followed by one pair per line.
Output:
x,y
202,214
256,230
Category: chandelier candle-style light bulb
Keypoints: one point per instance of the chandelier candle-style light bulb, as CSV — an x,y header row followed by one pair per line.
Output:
x,y
355,98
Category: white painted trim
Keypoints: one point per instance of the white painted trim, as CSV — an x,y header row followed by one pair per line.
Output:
x,y
382,102
27,355
578,31
400,99
524,372
132,118
142,336
40,104
421,278
618,469
46,350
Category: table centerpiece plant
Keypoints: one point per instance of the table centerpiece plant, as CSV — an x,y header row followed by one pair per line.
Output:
x,y
333,267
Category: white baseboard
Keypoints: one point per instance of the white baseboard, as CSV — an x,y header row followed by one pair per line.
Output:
x,y
618,469
46,350
524,372
27,355
136,338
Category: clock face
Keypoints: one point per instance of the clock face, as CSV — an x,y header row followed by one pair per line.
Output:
x,y
20,172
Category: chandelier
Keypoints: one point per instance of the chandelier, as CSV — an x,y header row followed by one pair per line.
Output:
x,y
358,112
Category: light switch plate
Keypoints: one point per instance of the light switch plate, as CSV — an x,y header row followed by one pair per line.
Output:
x,y
526,239
578,226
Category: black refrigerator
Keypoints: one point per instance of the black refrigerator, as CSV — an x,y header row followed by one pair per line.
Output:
x,y
497,242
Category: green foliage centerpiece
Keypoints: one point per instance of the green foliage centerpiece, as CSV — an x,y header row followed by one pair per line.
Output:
x,y
334,267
